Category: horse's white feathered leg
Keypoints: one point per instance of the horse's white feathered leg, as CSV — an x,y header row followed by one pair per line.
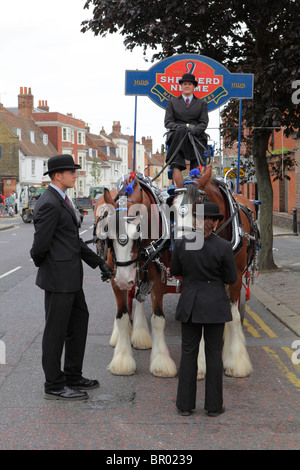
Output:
x,y
115,333
140,338
123,362
236,360
161,364
201,360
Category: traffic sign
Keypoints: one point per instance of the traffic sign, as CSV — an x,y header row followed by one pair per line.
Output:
x,y
232,173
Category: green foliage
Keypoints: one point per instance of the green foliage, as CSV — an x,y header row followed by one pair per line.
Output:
x,y
247,36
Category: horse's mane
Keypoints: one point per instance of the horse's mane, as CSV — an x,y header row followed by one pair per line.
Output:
x,y
192,194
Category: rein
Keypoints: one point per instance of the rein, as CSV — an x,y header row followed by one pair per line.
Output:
x,y
192,139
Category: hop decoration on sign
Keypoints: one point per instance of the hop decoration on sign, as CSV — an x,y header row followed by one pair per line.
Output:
x,y
129,187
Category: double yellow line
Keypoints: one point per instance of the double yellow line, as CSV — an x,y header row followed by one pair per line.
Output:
x,y
290,375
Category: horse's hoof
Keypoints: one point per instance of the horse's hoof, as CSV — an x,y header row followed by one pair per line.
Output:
x,y
235,375
161,374
122,367
113,372
163,367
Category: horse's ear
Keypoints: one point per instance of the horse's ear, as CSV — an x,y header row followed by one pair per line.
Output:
x,y
108,198
136,196
205,178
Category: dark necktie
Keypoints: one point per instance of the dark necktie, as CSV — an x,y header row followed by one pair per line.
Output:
x,y
67,201
187,101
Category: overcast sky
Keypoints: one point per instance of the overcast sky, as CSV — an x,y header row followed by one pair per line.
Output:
x,y
42,48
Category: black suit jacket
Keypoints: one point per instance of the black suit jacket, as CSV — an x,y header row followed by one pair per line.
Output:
x,y
204,275
57,249
178,113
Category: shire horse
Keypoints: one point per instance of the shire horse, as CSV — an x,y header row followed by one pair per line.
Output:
x,y
236,360
121,224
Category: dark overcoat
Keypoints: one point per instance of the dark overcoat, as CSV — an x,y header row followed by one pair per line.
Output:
x,y
57,249
204,275
177,113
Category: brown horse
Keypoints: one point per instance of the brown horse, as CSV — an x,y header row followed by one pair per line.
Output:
x,y
122,224
235,356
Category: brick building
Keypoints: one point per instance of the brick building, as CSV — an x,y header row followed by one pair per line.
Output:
x,y
25,149
286,191
68,135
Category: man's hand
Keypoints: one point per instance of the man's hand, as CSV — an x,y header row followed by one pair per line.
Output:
x,y
105,270
192,129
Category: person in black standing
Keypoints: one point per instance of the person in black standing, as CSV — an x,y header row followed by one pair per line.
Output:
x,y
203,306
58,251
187,118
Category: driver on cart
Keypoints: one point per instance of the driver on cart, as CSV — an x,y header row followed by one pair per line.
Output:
x,y
187,119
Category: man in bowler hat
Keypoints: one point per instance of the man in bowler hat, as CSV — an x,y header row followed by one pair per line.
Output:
x,y
58,252
187,118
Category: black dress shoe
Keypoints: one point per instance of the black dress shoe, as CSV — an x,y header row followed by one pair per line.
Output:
x,y
85,384
185,412
213,414
66,394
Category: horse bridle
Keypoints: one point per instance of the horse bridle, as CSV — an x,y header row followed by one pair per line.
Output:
x,y
122,238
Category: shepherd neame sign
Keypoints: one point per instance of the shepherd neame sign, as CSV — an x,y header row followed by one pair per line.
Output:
x,y
216,84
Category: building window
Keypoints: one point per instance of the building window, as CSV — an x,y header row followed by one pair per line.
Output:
x,y
67,134
45,139
32,167
81,138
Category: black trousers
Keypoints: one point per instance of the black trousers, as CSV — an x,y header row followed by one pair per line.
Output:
x,y
186,151
187,383
66,327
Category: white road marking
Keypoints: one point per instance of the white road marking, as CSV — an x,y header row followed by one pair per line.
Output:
x,y
10,272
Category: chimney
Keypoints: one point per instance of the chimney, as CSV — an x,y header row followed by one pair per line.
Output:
x,y
117,127
25,103
147,142
43,105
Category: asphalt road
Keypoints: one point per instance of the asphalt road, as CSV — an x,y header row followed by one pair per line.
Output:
x,y
137,412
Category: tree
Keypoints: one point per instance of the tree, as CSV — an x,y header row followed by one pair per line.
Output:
x,y
96,172
246,36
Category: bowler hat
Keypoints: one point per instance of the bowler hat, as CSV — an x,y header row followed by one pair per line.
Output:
x,y
211,210
188,77
61,162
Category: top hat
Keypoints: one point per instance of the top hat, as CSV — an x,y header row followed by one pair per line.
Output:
x,y
61,162
188,77
211,210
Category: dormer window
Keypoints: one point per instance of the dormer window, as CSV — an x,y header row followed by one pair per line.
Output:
x,y
45,139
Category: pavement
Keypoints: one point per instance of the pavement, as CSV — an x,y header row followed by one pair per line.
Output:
x,y
278,289
138,412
